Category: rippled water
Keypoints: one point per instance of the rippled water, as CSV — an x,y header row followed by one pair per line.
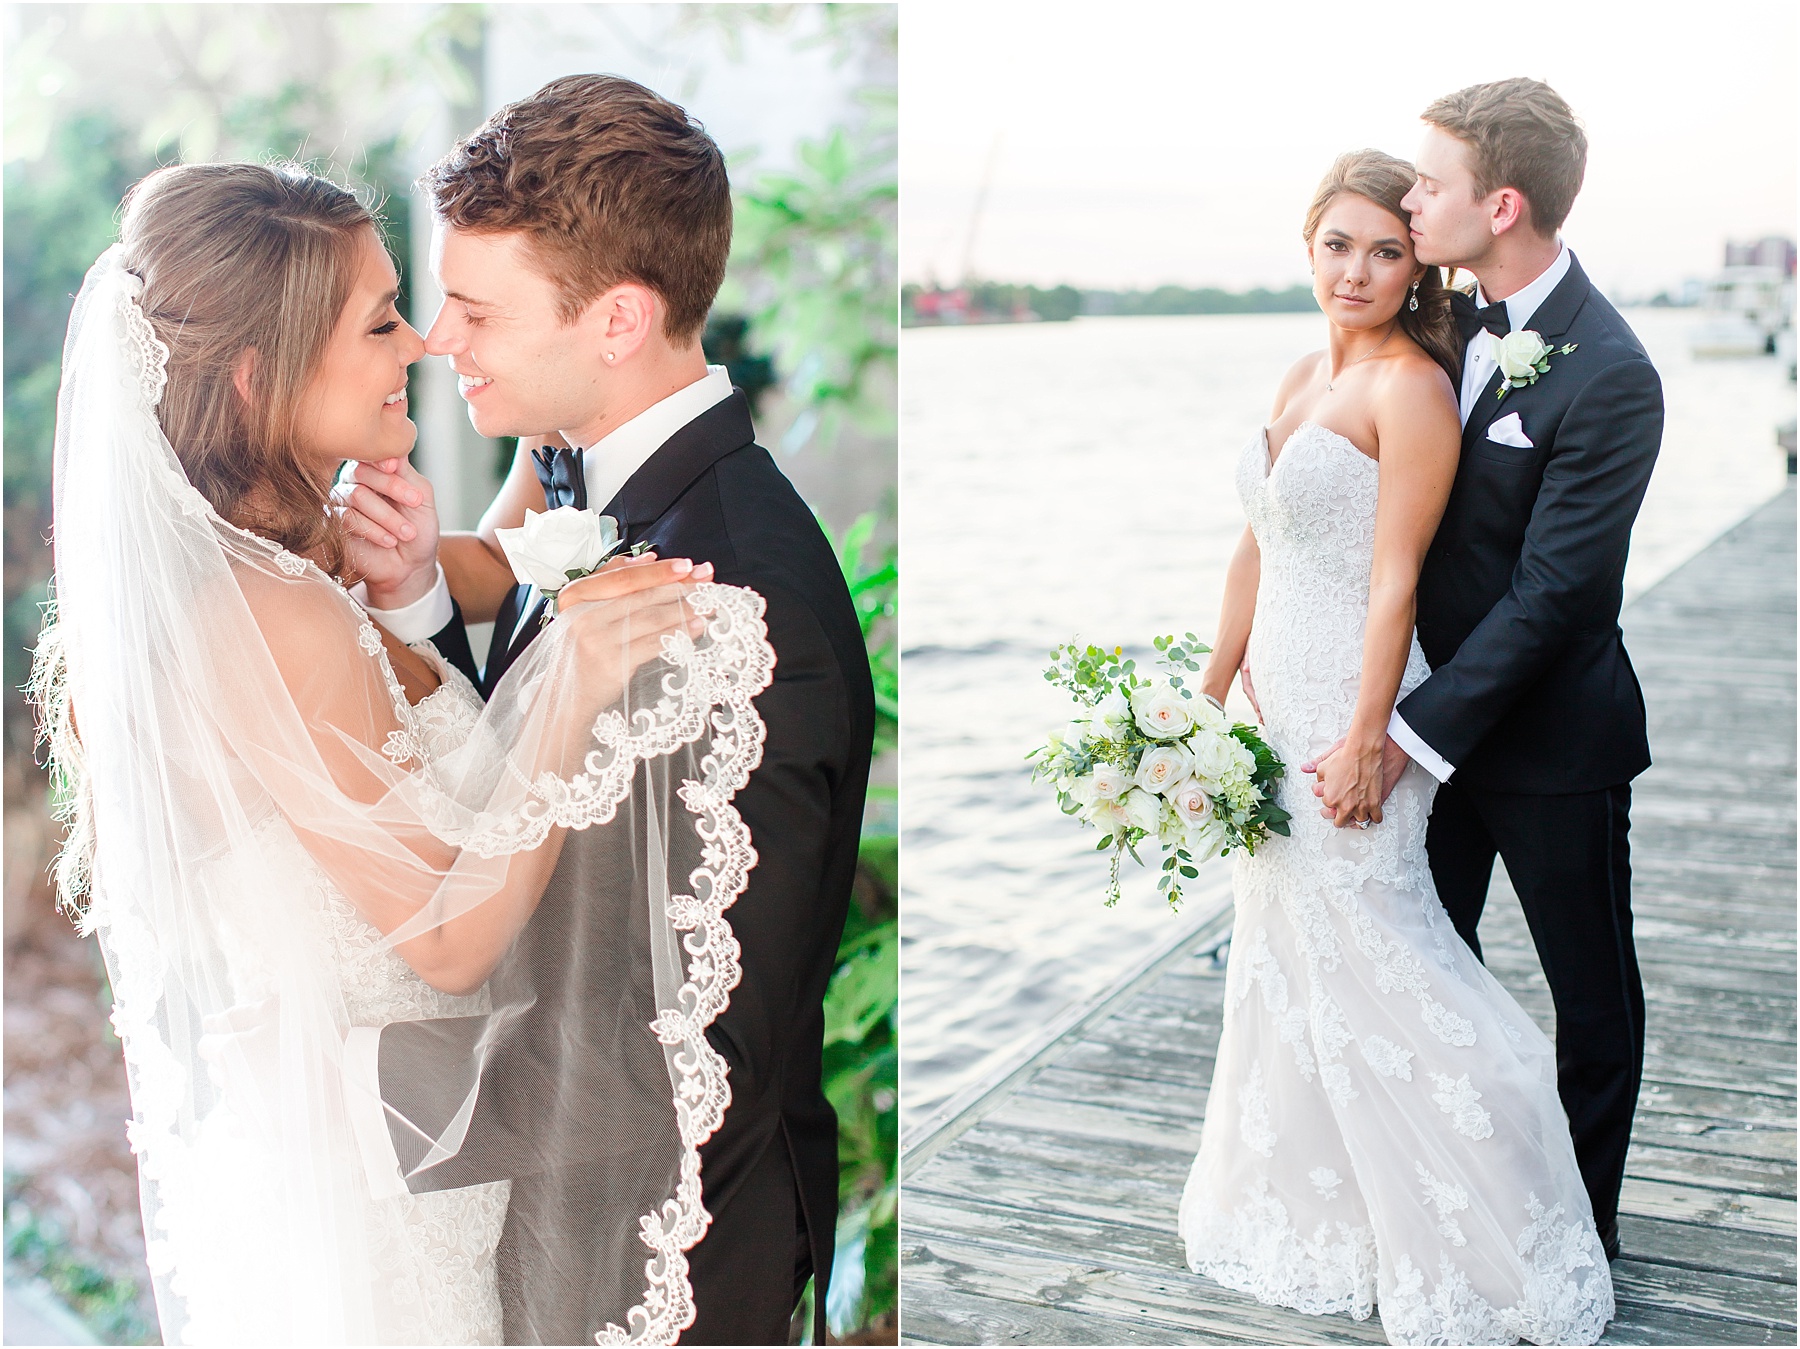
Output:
x,y
1064,479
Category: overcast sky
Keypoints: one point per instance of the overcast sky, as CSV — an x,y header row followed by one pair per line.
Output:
x,y
1139,144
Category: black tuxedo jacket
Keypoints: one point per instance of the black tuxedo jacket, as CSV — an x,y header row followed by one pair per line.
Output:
x,y
712,494
1518,601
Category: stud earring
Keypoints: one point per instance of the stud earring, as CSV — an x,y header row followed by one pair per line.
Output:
x,y
609,355
1413,303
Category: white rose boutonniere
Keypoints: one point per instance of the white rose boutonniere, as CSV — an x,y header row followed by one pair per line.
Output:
x,y
555,547
1523,356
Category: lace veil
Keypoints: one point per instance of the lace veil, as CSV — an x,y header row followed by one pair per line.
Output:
x,y
275,828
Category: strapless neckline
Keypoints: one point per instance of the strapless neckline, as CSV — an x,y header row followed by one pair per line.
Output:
x,y
1333,437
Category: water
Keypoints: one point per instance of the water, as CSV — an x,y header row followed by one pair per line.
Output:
x,y
1065,479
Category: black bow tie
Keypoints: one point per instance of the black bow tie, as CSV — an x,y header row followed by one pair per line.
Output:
x,y
1472,318
561,474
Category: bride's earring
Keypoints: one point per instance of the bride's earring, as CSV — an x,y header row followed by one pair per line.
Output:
x,y
610,355
1413,303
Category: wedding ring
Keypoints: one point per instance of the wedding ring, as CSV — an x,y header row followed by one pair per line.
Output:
x,y
1364,824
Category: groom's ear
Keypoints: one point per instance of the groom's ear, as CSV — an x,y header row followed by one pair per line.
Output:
x,y
625,318
1507,209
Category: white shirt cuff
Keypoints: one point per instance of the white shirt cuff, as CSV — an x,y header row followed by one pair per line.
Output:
x,y
414,622
368,1116
1420,753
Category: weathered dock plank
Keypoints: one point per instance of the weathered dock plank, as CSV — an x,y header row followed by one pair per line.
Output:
x,y
1041,1210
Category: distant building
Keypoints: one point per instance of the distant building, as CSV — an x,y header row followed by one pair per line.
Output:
x,y
1773,252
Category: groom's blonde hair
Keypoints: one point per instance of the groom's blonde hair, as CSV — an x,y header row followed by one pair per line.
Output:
x,y
1521,135
609,182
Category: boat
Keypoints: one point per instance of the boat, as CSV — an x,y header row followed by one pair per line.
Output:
x,y
1749,303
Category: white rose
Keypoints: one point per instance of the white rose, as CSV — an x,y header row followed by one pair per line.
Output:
x,y
1107,816
1520,353
1110,716
1209,715
1212,755
1143,809
1204,840
551,544
1162,767
1191,803
1110,782
1162,711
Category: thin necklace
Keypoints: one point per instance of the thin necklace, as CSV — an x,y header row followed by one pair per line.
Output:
x,y
1365,356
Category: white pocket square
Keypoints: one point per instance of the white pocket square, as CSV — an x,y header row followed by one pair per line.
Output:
x,y
1507,431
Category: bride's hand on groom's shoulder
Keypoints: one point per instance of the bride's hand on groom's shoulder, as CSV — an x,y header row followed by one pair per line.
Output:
x,y
628,575
618,616
389,513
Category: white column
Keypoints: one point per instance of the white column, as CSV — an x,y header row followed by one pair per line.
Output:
x,y
458,459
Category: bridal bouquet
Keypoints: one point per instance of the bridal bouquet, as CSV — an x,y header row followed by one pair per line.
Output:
x,y
1147,757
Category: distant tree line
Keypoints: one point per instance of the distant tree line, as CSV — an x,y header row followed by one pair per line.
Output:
x,y
992,301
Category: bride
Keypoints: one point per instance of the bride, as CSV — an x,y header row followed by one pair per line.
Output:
x,y
1383,1125
285,824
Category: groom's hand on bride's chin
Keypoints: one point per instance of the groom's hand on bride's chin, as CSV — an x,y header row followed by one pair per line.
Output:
x,y
390,514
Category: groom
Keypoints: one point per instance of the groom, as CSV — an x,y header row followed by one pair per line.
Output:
x,y
1532,718
582,236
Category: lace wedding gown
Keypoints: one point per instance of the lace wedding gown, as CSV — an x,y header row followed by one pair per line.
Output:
x,y
431,1277
1383,1125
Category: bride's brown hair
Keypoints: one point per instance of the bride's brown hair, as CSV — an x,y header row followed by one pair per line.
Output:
x,y
240,258
1385,181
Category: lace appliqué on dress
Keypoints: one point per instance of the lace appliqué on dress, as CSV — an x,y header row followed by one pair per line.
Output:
x,y
1341,934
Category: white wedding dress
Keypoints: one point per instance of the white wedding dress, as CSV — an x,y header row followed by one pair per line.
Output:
x,y
1383,1126
431,1276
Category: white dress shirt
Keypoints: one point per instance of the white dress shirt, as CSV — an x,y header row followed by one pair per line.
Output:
x,y
1480,358
606,465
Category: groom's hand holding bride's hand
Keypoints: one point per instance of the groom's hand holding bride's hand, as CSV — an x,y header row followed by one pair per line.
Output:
x,y
1354,785
389,512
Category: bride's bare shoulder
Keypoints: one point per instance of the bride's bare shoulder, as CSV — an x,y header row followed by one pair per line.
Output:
x,y
1410,376
296,613
1301,373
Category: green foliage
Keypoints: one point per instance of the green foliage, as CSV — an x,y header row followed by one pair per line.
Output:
x,y
861,1064
110,1306
1053,304
1065,302
874,589
813,265
862,1082
1204,300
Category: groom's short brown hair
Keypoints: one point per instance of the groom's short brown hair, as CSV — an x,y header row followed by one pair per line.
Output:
x,y
610,182
1522,136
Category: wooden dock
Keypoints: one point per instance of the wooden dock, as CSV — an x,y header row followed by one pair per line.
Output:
x,y
1041,1208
